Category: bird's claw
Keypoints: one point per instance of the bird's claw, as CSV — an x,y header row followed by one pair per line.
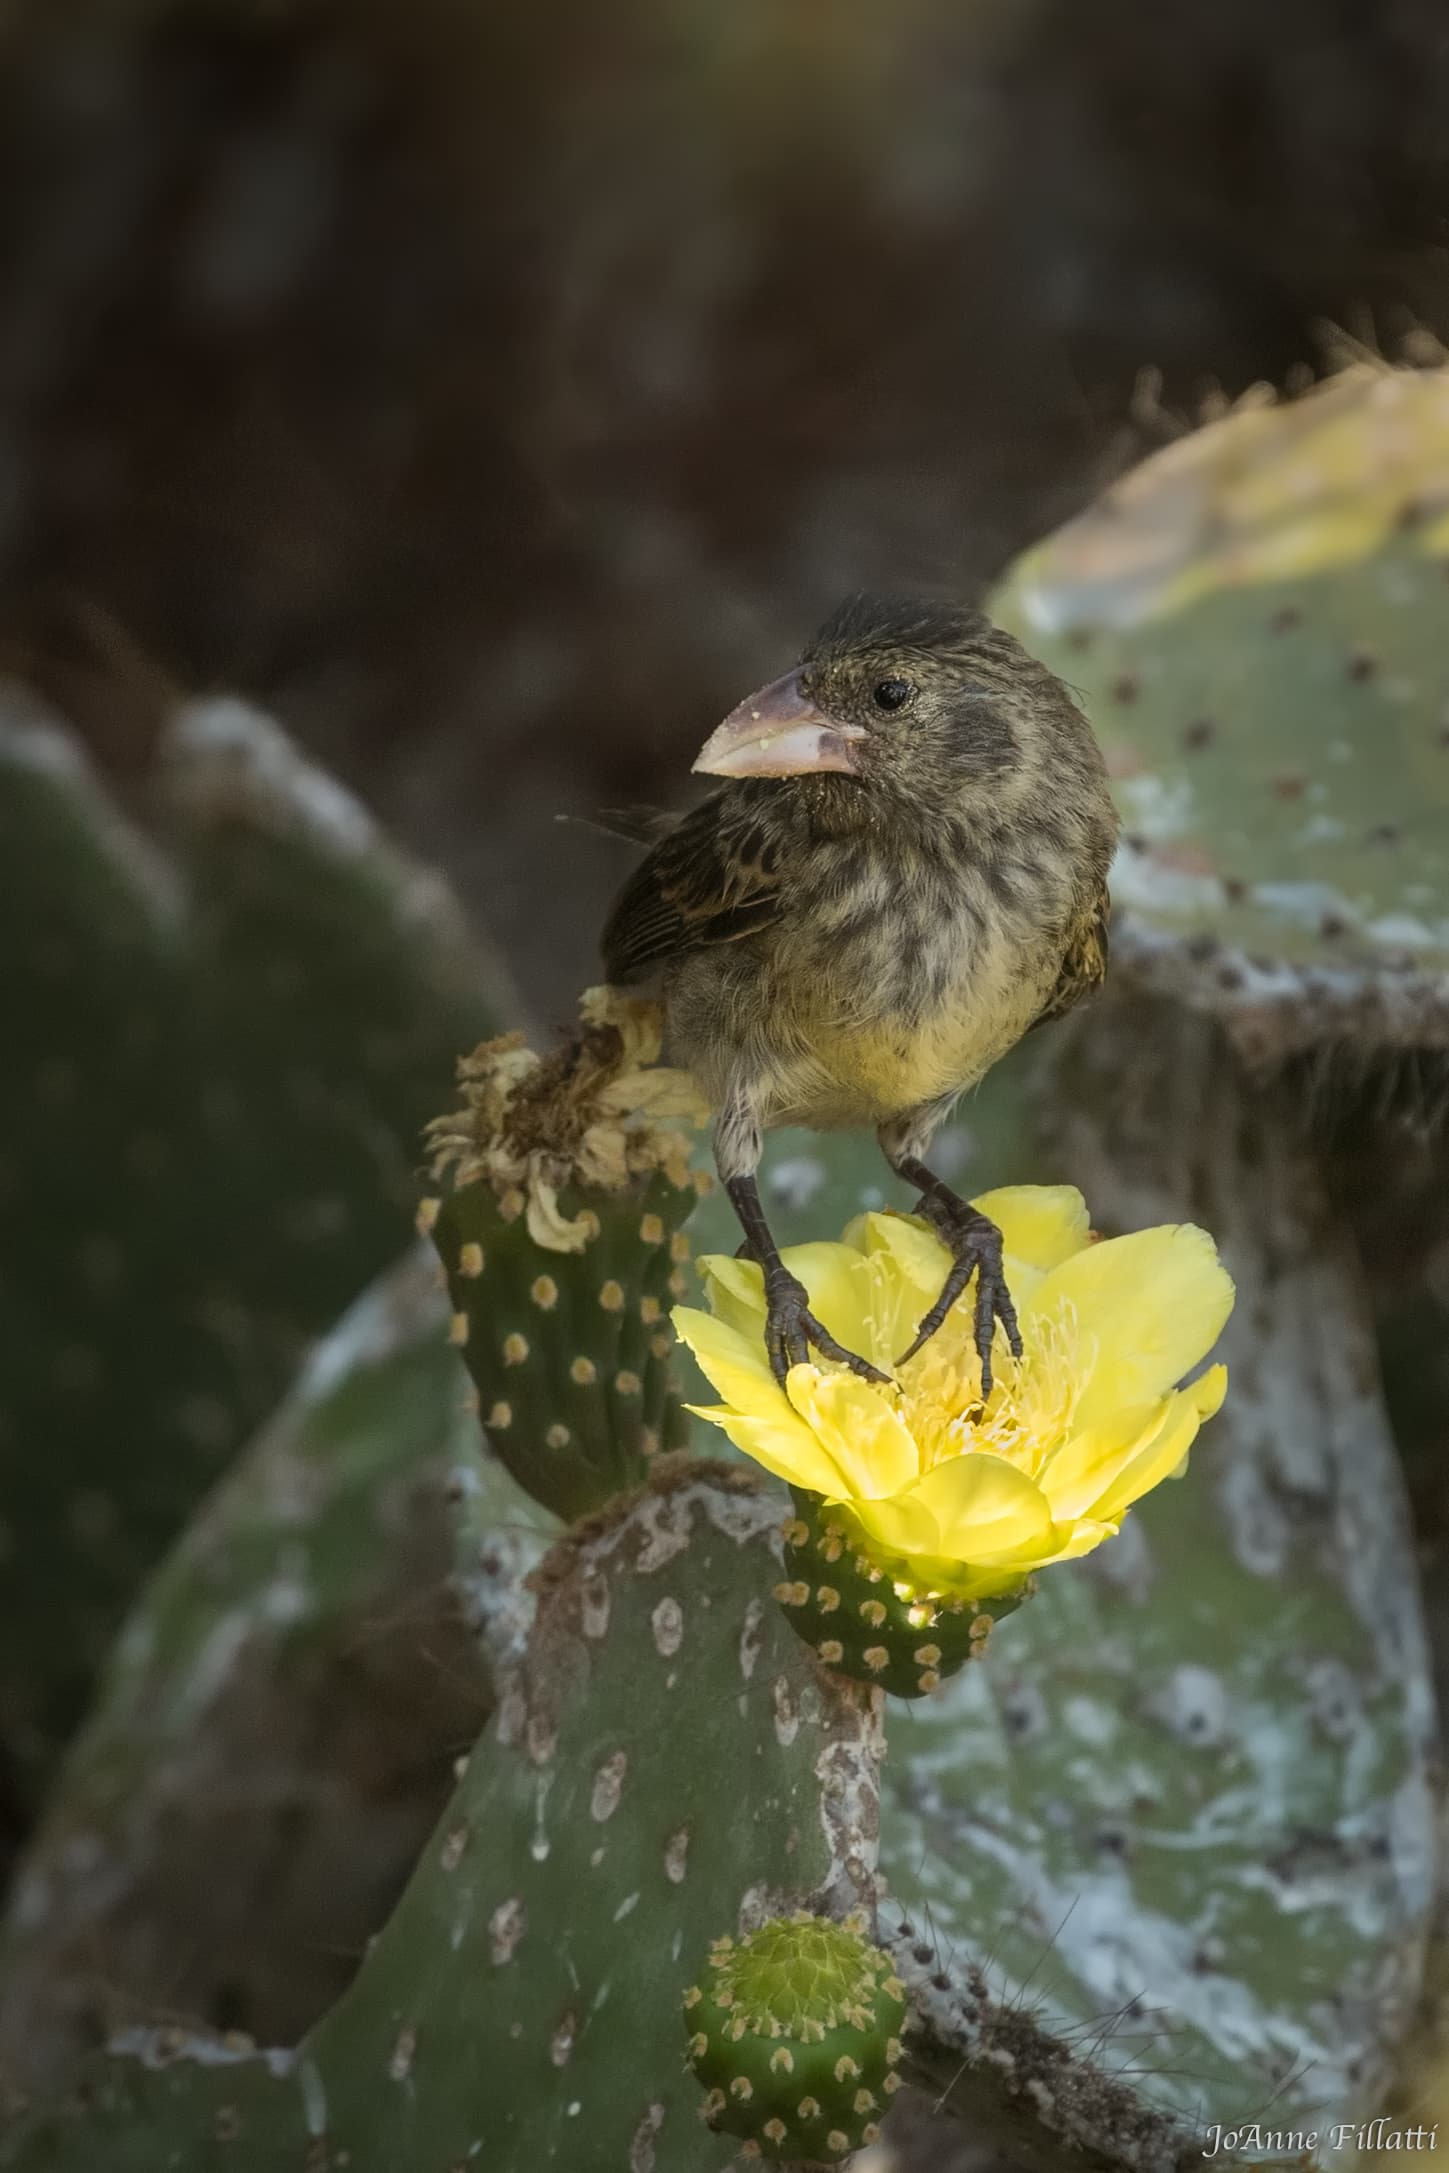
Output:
x,y
791,1329
975,1242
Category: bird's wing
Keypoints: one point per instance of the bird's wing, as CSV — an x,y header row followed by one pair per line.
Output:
x,y
634,825
1084,965
713,879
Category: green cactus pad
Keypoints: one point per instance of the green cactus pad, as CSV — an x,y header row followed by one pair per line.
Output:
x,y
865,1617
794,2034
1255,621
286,1697
1186,1816
561,1237
665,1757
222,1039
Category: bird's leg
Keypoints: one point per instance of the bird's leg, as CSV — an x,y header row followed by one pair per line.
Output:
x,y
975,1244
790,1326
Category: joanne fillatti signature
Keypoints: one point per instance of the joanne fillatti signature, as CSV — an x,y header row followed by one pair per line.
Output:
x,y
1296,2142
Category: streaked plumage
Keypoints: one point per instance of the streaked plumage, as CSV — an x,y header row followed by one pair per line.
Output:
x,y
856,936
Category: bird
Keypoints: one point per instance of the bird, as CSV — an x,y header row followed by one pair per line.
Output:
x,y
904,870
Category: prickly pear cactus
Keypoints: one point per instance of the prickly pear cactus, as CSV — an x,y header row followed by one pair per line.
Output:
x,y
1255,620
794,2032
869,1626
1191,1786
568,1182
223,1038
666,1761
286,1698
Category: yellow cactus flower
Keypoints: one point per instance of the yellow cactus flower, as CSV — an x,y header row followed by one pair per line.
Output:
x,y
969,1498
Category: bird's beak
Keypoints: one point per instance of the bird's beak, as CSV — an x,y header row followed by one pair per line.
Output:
x,y
779,732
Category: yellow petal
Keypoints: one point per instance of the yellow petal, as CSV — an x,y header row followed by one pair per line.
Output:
x,y
1156,1460
833,1275
984,1508
1149,1306
860,1430
840,1291
909,1264
1082,1469
1208,1391
736,1292
735,1365
902,1527
793,1453
912,1264
1042,1225
1071,1541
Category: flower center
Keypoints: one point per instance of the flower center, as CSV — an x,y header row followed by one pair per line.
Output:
x,y
1032,1402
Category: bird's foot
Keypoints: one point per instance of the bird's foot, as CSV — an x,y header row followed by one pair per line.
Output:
x,y
975,1243
791,1329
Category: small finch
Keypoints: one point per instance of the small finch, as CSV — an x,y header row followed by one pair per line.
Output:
x,y
906,870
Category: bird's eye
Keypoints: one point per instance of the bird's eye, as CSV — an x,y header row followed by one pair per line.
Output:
x,y
893,693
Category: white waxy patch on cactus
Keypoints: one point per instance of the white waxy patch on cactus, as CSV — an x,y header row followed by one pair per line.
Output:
x,y
668,1524
676,1856
384,1320
594,1605
542,1738
451,1853
608,1786
399,2067
506,1926
787,1717
1407,929
314,2097
30,740
214,1664
849,1777
642,2155
626,1907
224,740
512,1715
1193,1704
1091,1721
538,1847
561,2044
751,1632
667,1623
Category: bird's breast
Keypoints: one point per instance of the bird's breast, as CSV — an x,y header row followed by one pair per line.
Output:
x,y
885,989
912,1008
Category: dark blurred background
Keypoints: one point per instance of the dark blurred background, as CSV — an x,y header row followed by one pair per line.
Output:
x,y
497,392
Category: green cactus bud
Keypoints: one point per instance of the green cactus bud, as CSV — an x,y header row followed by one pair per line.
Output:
x,y
795,2035
865,1617
568,1181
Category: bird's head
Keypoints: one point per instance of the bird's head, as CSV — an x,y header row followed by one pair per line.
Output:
x,y
900,696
